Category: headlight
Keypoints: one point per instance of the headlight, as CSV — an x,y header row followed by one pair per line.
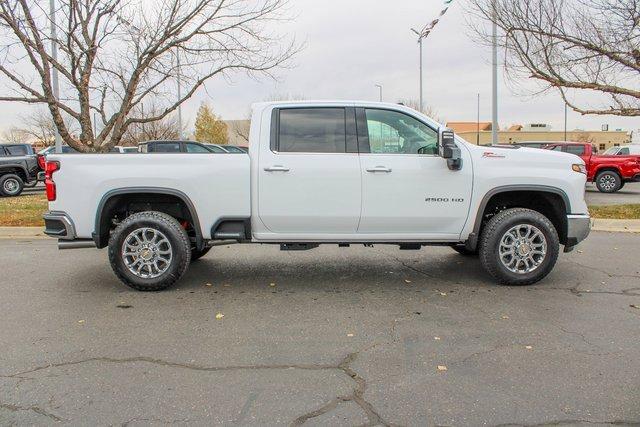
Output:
x,y
579,168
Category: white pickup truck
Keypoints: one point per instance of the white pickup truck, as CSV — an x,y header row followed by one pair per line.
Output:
x,y
323,173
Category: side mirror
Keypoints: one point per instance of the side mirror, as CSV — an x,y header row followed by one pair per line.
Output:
x,y
448,149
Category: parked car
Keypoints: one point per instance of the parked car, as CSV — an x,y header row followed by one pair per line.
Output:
x,y
217,148
324,173
609,173
532,144
177,147
623,150
50,150
18,168
124,150
235,149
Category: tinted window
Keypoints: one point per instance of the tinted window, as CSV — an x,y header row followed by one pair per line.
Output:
x,y
624,152
215,149
557,148
196,148
165,147
578,150
313,130
391,132
16,150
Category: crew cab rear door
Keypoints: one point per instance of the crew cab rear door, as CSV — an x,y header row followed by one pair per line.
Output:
x,y
408,191
309,173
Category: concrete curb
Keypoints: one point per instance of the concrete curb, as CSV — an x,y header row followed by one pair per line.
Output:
x,y
605,225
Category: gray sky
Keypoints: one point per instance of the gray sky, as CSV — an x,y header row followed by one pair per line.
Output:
x,y
351,45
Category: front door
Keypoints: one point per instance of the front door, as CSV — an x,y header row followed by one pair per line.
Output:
x,y
407,189
309,184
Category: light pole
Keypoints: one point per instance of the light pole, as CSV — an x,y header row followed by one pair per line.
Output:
x,y
478,122
420,39
180,134
54,71
494,107
380,87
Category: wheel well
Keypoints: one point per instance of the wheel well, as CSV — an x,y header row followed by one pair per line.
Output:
x,y
115,208
15,171
607,169
551,205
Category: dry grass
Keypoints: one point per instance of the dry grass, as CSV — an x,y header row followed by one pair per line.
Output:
x,y
616,212
23,211
26,211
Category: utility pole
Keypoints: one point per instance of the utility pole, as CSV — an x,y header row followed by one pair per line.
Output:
x,y
478,122
181,135
494,112
54,70
420,39
380,87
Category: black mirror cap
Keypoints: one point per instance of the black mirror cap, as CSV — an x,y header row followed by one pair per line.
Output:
x,y
447,144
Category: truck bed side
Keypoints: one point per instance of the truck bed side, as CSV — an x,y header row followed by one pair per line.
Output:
x,y
217,185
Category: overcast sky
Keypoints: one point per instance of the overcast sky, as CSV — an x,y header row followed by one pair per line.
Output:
x,y
351,45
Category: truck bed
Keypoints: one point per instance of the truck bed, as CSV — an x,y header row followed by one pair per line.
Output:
x,y
218,185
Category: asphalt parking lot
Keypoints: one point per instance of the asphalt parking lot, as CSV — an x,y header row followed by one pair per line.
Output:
x,y
628,195
357,336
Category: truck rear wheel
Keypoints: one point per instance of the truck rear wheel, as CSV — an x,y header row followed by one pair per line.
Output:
x,y
11,185
519,247
608,182
149,251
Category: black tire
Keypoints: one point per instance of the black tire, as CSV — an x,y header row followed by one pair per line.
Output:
x,y
621,185
197,254
498,227
11,185
180,250
462,250
608,182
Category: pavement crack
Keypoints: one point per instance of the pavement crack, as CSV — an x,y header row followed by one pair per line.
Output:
x,y
357,396
606,273
36,409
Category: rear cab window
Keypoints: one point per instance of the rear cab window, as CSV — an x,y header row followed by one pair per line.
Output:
x,y
311,130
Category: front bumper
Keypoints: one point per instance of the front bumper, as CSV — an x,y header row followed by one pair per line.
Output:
x,y
578,229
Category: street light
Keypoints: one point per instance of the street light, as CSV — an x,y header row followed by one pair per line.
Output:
x,y
421,37
494,106
380,87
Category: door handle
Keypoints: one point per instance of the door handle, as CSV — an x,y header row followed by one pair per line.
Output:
x,y
277,168
380,169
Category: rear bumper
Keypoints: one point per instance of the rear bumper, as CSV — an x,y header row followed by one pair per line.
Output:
x,y
578,229
59,225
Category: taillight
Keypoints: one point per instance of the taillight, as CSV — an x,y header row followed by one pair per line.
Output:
x,y
42,162
50,168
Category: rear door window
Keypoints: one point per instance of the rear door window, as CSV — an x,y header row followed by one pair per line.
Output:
x,y
16,150
196,148
312,130
578,150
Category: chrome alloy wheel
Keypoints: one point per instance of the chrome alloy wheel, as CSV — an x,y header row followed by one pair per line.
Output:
x,y
523,249
607,182
147,253
10,186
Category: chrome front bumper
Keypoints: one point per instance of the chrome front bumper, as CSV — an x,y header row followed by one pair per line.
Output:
x,y
578,229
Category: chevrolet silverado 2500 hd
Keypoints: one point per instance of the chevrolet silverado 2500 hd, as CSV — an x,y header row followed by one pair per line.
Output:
x,y
323,173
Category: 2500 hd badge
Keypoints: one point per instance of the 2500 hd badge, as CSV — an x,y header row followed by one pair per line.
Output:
x,y
443,200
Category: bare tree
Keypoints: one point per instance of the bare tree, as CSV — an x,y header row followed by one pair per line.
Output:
x,y
576,47
40,126
15,135
427,110
166,128
115,55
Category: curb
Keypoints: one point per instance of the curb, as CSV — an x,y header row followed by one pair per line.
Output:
x,y
603,225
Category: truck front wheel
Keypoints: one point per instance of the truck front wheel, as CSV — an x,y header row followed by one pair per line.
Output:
x,y
149,251
519,247
608,182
